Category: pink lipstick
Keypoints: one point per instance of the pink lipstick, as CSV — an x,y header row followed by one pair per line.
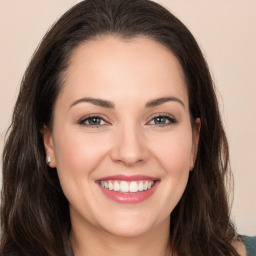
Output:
x,y
128,189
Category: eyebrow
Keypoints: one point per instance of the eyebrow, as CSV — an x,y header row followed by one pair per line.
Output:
x,y
108,104
159,101
94,101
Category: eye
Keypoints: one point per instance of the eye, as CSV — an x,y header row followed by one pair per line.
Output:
x,y
93,121
162,120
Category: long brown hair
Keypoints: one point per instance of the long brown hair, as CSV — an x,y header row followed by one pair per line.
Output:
x,y
34,212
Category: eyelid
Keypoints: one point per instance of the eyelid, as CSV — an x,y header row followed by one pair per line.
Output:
x,y
82,120
171,118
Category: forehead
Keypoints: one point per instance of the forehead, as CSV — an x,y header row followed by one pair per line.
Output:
x,y
115,67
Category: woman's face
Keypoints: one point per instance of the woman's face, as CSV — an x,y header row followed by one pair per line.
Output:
x,y
122,140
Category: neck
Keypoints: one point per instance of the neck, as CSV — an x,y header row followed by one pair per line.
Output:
x,y
88,240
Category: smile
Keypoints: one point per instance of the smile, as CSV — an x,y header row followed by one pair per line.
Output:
x,y
127,187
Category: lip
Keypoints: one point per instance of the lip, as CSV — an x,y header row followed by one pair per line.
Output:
x,y
129,198
128,178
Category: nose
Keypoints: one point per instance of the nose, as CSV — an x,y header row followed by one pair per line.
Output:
x,y
129,146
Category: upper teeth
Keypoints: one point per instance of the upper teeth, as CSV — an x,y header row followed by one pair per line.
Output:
x,y
126,187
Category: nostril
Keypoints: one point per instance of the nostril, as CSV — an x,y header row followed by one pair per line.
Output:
x,y
129,150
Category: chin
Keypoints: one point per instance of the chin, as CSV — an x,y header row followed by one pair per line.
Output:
x,y
134,225
128,231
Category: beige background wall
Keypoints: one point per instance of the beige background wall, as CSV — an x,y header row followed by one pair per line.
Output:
x,y
226,33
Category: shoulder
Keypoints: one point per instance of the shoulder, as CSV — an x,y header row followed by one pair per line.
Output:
x,y
240,247
246,246
250,244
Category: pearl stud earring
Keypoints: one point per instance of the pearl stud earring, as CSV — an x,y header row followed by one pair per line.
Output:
x,y
48,159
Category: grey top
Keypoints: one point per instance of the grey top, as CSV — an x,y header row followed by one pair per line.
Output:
x,y
250,244
249,241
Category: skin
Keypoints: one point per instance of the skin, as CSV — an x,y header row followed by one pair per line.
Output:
x,y
127,140
240,247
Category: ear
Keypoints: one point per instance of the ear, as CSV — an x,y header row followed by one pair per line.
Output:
x,y
195,137
48,145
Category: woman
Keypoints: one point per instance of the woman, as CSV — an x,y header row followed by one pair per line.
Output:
x,y
119,101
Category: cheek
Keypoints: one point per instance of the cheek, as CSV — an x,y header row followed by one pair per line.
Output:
x,y
173,154
173,151
78,153
77,156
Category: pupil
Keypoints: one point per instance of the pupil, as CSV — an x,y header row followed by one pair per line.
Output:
x,y
94,120
160,120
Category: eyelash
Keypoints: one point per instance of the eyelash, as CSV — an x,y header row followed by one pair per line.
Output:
x,y
170,120
90,118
